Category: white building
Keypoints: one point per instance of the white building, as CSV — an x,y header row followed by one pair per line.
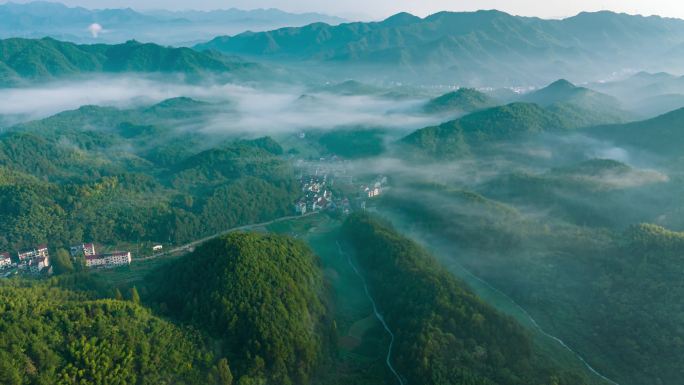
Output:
x,y
156,248
37,252
109,260
5,260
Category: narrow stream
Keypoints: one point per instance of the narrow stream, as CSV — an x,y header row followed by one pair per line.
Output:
x,y
388,359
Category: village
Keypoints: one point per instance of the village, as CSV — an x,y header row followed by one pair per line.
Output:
x,y
328,185
36,260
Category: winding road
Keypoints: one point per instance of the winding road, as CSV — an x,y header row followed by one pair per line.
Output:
x,y
188,246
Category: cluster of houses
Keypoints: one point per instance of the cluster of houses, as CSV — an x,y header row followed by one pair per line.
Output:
x,y
103,261
36,260
32,261
374,189
316,194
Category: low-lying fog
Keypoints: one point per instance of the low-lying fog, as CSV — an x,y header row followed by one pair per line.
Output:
x,y
248,109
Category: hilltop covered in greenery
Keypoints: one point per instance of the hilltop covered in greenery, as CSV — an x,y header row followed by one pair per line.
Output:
x,y
464,100
260,296
45,59
596,107
457,138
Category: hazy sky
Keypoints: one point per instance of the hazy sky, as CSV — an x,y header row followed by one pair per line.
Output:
x,y
382,8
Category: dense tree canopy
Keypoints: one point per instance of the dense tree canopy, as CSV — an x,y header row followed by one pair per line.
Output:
x,y
260,296
54,336
65,179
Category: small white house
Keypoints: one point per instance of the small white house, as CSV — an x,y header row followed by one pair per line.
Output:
x,y
5,260
157,248
109,260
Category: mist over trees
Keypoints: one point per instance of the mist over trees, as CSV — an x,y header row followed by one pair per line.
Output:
x,y
466,198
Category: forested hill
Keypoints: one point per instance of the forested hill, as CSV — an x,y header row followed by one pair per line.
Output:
x,y
459,137
444,333
662,135
44,59
259,296
600,107
473,48
463,100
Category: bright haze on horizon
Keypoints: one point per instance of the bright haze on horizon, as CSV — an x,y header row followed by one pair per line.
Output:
x,y
378,9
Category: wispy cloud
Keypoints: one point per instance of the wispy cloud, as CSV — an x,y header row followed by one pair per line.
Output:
x,y
247,110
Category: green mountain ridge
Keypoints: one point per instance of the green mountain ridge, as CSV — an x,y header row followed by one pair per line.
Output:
x,y
562,91
46,59
662,135
464,100
504,123
472,48
597,108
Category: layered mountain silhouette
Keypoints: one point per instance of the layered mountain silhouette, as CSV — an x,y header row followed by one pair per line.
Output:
x,y
471,48
41,18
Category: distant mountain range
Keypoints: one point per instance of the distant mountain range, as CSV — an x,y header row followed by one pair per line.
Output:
x,y
40,19
484,48
24,60
648,94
